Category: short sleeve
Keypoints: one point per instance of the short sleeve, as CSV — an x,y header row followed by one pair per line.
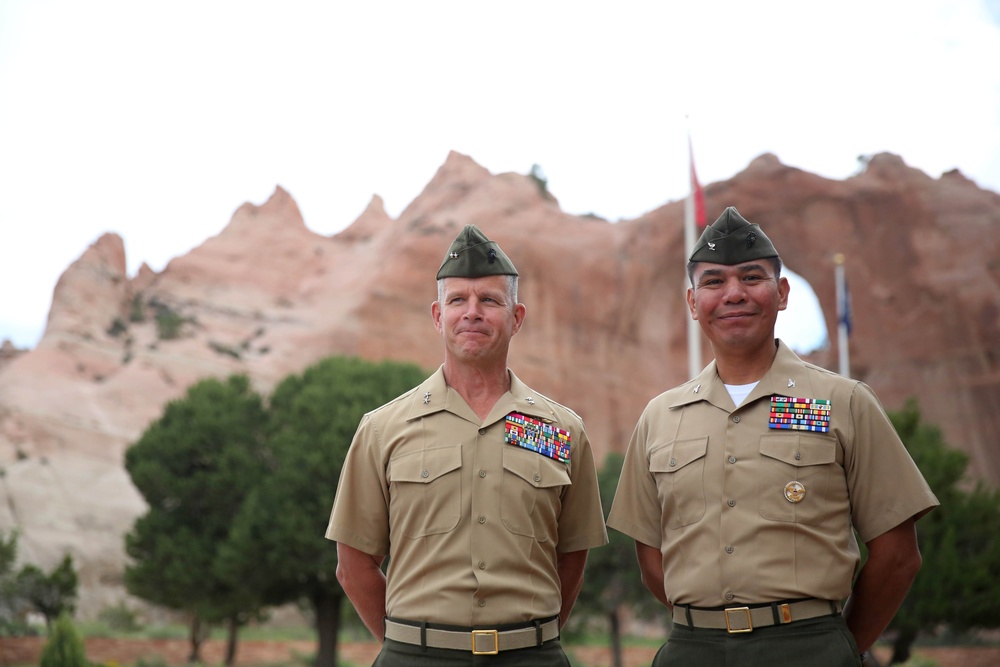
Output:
x,y
360,514
636,509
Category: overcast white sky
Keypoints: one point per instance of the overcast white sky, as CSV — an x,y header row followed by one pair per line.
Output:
x,y
156,120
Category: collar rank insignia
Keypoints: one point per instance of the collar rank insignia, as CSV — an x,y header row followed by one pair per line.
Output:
x,y
800,414
536,435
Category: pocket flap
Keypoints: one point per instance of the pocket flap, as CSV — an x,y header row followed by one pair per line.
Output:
x,y
535,469
677,454
426,465
799,450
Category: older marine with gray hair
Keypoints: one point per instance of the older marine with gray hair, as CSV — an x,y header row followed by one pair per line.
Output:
x,y
482,492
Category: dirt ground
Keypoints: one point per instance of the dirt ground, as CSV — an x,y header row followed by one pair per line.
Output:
x,y
124,652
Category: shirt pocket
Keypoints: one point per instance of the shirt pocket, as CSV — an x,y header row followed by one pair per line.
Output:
x,y
531,493
798,480
679,470
427,491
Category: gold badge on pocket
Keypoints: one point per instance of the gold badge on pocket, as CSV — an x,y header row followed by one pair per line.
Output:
x,y
795,492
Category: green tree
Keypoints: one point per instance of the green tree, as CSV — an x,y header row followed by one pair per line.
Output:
x,y
8,553
9,624
50,594
31,589
612,581
959,582
277,547
64,647
194,467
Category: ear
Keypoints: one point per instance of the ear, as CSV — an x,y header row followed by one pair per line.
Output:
x,y
690,301
436,315
783,288
519,312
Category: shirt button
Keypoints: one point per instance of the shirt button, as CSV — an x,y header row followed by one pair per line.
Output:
x,y
736,419
482,602
729,548
482,519
798,456
482,473
482,431
424,473
731,503
673,462
732,459
729,596
537,477
482,565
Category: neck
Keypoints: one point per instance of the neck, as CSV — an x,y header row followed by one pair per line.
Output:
x,y
738,367
481,388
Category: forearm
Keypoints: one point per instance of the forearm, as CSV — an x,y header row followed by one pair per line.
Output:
x,y
361,577
893,563
651,571
570,567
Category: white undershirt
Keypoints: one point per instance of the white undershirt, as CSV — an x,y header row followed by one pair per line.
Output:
x,y
740,391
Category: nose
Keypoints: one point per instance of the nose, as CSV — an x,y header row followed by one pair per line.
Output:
x,y
735,291
473,309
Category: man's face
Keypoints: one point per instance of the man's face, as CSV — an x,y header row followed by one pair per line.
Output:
x,y
737,305
476,319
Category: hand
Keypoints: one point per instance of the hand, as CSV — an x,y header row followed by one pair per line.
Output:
x,y
869,660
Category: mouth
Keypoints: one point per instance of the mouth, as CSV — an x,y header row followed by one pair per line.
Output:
x,y
736,316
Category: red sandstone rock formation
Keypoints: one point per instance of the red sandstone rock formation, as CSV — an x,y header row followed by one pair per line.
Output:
x,y
605,329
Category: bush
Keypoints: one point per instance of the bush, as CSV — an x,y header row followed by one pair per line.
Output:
x,y
117,328
151,661
119,618
138,311
168,323
65,647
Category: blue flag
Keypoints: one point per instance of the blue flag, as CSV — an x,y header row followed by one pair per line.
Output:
x,y
844,308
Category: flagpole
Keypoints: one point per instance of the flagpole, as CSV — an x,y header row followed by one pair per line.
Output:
x,y
693,331
843,351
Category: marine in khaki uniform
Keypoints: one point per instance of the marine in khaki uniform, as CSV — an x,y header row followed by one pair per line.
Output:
x,y
482,492
742,486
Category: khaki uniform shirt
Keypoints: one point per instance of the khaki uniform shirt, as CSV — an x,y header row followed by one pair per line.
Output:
x,y
706,482
472,525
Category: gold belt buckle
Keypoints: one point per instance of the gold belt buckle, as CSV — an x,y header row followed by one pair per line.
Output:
x,y
476,634
729,625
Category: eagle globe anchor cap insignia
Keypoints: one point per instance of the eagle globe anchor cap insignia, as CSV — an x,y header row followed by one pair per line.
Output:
x,y
730,240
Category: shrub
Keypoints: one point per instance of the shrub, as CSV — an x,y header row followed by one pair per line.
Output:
x,y
119,618
65,647
138,311
168,323
151,661
117,328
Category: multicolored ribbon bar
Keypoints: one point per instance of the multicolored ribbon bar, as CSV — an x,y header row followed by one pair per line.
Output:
x,y
800,414
538,436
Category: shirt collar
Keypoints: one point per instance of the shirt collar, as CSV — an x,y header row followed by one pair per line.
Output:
x,y
434,395
782,378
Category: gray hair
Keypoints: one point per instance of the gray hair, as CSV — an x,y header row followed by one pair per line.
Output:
x,y
511,289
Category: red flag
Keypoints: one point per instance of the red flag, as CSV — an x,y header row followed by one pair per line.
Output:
x,y
696,192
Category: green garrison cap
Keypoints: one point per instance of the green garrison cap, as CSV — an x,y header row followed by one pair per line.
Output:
x,y
472,255
732,240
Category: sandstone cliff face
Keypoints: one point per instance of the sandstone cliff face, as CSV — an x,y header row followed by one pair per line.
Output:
x,y
605,329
